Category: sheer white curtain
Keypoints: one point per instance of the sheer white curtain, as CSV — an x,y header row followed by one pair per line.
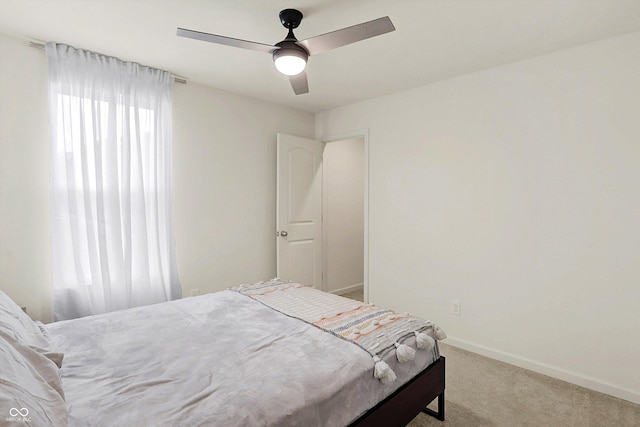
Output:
x,y
111,188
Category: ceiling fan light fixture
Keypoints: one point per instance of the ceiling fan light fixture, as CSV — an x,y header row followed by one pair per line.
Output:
x,y
290,61
290,56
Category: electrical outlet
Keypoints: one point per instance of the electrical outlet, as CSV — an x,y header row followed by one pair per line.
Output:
x,y
455,307
195,292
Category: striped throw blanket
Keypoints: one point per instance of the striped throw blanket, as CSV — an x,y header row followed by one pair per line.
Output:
x,y
375,330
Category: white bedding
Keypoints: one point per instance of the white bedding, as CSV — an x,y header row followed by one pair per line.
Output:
x,y
218,359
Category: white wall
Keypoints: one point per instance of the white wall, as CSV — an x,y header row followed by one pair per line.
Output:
x,y
516,191
343,214
25,250
224,182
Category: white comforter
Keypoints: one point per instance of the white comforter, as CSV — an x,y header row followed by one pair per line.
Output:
x,y
220,359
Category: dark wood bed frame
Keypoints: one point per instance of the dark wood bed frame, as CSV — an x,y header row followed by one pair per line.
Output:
x,y
408,401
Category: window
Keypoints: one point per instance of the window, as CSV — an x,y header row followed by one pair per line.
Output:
x,y
112,215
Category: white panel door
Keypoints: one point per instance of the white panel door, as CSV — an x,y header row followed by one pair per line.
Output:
x,y
299,210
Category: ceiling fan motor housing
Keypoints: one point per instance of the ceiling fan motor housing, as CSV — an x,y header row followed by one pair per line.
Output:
x,y
288,50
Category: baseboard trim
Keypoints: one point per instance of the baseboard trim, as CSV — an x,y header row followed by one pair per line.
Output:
x,y
346,290
551,371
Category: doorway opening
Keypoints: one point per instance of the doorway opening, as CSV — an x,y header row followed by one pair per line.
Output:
x,y
344,215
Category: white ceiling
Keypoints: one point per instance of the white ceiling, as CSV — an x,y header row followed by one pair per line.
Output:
x,y
434,39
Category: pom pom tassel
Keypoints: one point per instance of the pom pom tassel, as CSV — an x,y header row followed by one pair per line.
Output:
x,y
424,341
383,371
439,333
404,353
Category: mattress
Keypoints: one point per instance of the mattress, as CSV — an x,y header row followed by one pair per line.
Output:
x,y
218,359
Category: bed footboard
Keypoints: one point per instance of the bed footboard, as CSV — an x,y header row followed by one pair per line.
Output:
x,y
409,400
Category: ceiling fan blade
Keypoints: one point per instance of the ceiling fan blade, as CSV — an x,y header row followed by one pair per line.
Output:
x,y
345,36
299,83
229,41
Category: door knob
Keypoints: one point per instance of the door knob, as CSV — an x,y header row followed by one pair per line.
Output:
x,y
284,233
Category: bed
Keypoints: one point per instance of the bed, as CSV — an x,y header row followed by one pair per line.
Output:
x,y
271,353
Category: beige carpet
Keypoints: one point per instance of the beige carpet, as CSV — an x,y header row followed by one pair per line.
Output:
x,y
485,392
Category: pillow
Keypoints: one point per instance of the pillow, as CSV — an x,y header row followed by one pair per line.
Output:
x,y
17,324
30,386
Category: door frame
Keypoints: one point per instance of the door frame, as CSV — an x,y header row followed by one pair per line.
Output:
x,y
360,133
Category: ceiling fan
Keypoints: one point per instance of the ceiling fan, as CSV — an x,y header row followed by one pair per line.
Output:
x,y
290,55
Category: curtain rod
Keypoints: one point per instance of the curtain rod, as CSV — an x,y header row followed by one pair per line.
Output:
x,y
177,79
